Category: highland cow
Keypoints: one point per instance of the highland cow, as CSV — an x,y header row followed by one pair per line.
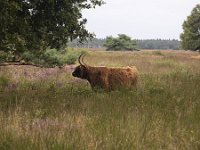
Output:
x,y
106,78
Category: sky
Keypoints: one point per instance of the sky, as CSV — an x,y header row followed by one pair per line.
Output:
x,y
139,19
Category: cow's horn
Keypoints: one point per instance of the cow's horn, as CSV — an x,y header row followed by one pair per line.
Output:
x,y
80,60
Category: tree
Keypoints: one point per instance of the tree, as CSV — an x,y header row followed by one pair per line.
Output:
x,y
191,30
35,25
122,42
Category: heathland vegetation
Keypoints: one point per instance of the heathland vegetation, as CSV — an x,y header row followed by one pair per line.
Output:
x,y
48,109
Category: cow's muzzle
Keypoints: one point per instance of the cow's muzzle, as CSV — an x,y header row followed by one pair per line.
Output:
x,y
73,74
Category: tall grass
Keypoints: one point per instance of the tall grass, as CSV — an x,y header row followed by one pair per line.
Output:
x,y
162,114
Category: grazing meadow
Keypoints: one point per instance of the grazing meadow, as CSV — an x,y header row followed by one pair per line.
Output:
x,y
46,108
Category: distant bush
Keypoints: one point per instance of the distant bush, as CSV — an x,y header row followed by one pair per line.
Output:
x,y
53,57
121,43
159,53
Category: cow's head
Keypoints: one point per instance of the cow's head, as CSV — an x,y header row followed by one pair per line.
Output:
x,y
81,71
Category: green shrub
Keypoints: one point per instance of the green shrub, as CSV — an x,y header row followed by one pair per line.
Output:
x,y
52,56
62,57
71,59
159,53
28,56
72,55
4,81
3,57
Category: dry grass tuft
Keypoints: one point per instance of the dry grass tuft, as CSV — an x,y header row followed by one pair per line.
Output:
x,y
196,57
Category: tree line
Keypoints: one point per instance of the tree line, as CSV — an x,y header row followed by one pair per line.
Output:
x,y
161,44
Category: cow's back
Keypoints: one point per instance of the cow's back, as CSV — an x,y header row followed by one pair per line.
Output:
x,y
125,77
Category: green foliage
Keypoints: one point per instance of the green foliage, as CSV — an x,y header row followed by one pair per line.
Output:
x,y
122,42
28,56
191,30
3,56
53,57
35,25
71,57
67,56
4,81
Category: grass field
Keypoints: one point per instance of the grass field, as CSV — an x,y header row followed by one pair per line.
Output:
x,y
48,109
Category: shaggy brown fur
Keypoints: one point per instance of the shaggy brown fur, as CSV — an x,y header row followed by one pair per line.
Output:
x,y
108,78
